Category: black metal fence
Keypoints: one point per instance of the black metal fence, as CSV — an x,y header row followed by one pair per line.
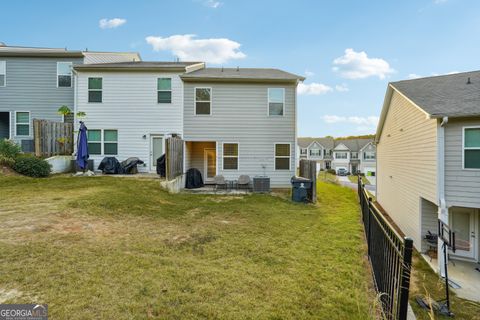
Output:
x,y
390,256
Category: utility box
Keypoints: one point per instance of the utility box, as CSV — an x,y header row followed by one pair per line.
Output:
x,y
261,184
300,188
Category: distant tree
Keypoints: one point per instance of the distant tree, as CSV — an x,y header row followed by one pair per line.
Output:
x,y
365,136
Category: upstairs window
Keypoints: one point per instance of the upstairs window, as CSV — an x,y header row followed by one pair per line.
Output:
x,y
471,148
369,155
164,90
341,155
276,101
303,151
282,156
315,152
354,155
203,101
64,74
22,123
95,86
3,73
230,156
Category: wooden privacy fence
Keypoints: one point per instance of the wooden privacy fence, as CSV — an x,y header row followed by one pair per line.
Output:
x,y
173,158
52,138
308,169
390,257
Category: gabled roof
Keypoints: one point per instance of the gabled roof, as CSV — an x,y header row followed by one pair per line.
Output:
x,y
453,95
444,96
353,145
140,66
242,75
110,57
327,143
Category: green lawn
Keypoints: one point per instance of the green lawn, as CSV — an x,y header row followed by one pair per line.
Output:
x,y
354,179
119,248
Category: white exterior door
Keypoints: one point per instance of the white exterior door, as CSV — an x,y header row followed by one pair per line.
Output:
x,y
156,150
210,164
464,223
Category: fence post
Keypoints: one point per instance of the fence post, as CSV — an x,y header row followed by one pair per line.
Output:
x,y
369,232
405,278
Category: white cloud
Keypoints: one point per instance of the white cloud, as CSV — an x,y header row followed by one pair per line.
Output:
x,y
313,88
357,65
187,48
309,73
362,123
212,4
341,87
413,76
111,23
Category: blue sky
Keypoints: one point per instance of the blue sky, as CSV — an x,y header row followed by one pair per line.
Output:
x,y
348,50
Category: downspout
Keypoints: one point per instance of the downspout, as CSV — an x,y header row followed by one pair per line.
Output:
x,y
442,205
75,91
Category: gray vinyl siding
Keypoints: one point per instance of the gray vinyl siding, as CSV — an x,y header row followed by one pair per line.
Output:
x,y
407,165
462,186
239,114
129,105
31,85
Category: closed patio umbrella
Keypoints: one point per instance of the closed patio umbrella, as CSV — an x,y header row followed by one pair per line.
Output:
x,y
82,147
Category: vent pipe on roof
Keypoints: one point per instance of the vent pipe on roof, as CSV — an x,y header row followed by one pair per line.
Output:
x,y
468,81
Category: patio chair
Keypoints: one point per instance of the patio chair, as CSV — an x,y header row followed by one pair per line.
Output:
x,y
244,182
220,182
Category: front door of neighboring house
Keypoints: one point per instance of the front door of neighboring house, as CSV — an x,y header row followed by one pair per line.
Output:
x,y
210,165
156,150
354,169
464,222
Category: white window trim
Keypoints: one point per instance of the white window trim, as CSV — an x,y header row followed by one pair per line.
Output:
x,y
304,149
469,148
268,103
335,155
275,156
224,156
365,158
171,92
315,155
71,74
88,90
102,142
195,102
5,74
29,123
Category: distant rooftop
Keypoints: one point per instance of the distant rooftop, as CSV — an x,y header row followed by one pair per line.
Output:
x,y
138,65
453,95
354,144
260,74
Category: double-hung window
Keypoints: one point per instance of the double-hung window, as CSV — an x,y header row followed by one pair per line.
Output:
x,y
341,155
64,74
471,148
354,155
203,101
3,73
369,155
282,156
102,142
303,151
22,123
95,86
164,90
230,156
315,152
276,101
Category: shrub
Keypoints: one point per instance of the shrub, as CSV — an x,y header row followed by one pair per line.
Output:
x,y
9,149
331,171
32,166
6,161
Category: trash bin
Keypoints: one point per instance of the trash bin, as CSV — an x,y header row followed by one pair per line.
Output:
x,y
300,187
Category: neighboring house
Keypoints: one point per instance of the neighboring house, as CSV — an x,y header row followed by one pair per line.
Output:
x,y
233,121
35,82
318,149
354,155
428,147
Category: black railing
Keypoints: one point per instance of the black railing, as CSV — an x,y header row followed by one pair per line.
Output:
x,y
390,257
